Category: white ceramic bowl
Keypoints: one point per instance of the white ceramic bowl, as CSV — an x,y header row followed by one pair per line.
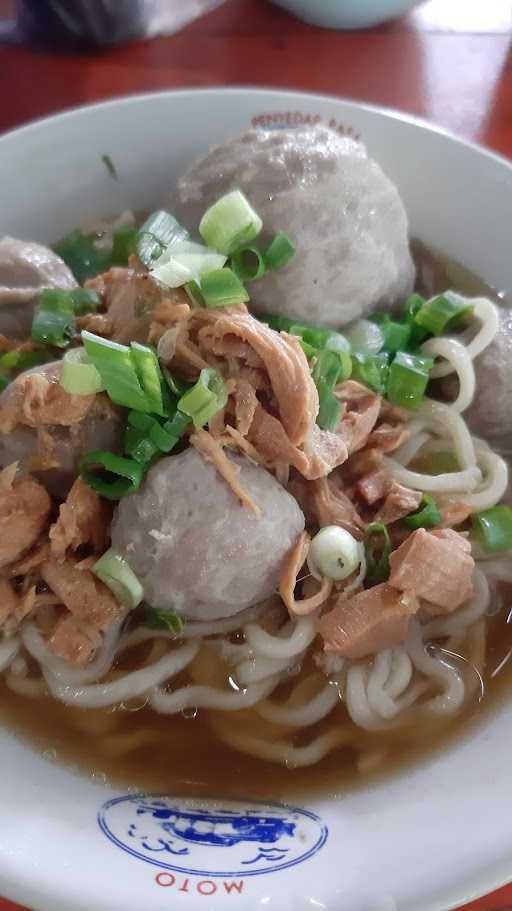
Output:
x,y
430,838
347,14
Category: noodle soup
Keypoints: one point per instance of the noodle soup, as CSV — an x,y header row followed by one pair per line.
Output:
x,y
295,634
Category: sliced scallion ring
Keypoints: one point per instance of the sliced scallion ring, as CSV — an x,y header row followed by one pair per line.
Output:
x,y
230,223
116,573
78,376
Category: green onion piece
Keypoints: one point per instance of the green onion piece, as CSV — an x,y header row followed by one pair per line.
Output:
x,y
177,386
371,370
308,350
177,425
116,573
110,166
124,244
24,360
194,294
4,381
84,300
116,367
329,410
280,252
413,305
110,475
158,618
396,335
441,313
138,446
377,568
54,320
493,528
230,223
222,288
82,256
407,379
205,398
78,376
248,264
150,375
158,232
427,516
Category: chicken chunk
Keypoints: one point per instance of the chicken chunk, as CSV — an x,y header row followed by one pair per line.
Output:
x,y
24,513
25,269
436,566
368,622
194,547
344,216
83,519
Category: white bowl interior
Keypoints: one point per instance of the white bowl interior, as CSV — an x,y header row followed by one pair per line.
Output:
x,y
426,839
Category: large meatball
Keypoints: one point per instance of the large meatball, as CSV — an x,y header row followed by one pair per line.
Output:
x,y
194,547
101,428
343,214
490,415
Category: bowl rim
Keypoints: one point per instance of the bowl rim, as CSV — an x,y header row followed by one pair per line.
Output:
x,y
500,874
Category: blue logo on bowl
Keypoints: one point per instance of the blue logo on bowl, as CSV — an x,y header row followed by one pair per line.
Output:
x,y
207,838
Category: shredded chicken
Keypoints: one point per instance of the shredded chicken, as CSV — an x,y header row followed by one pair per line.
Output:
x,y
91,605
399,502
83,519
288,581
436,566
34,399
212,450
331,506
368,622
98,323
362,411
246,404
453,514
24,514
374,486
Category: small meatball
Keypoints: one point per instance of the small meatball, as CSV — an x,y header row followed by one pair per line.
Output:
x,y
344,216
50,450
25,269
490,415
194,547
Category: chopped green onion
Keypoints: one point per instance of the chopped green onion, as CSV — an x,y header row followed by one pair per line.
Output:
x,y
82,256
365,337
427,516
177,386
185,262
279,252
377,569
407,379
24,360
110,475
442,312
124,245
116,573
150,375
115,364
194,294
138,446
145,436
54,320
159,231
413,305
371,370
396,335
84,300
177,425
78,376
493,528
222,288
4,381
329,408
158,618
329,369
248,264
110,166
308,350
205,398
230,223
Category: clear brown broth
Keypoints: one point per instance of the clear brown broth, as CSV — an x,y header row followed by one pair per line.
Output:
x,y
142,749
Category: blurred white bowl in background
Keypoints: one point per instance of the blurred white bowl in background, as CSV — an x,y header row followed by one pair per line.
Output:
x,y
347,13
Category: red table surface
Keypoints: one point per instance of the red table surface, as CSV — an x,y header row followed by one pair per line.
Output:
x,y
447,61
